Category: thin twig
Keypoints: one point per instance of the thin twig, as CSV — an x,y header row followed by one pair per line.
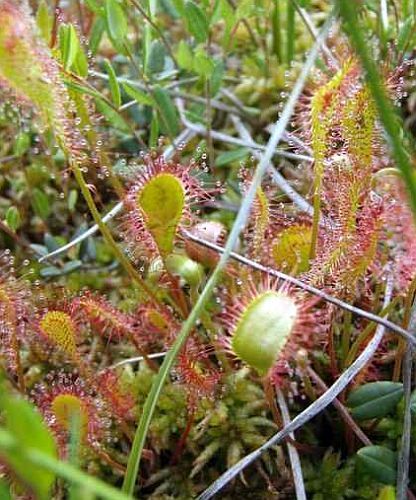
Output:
x,y
311,411
344,413
173,93
8,158
165,42
308,288
306,18
194,98
234,99
293,452
247,26
277,177
289,137
136,359
404,454
219,136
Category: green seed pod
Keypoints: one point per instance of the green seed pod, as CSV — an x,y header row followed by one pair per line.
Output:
x,y
188,270
155,270
263,329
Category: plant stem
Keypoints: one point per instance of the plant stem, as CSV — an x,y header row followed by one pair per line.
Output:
x,y
242,217
293,452
401,348
404,454
368,330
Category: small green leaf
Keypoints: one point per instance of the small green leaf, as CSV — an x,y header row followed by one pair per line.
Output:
x,y
13,218
21,143
217,77
112,116
50,242
40,204
96,34
28,428
50,272
167,112
94,6
138,95
80,65
231,156
154,131
156,59
113,83
72,54
5,491
68,44
216,12
116,21
374,400
197,21
180,7
387,493
404,33
184,267
229,18
84,90
203,63
39,249
44,21
70,267
184,56
162,200
72,199
379,462
88,250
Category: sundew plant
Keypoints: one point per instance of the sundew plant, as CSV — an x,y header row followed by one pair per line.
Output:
x,y
207,249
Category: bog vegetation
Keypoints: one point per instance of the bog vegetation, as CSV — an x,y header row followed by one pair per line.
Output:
x,y
207,217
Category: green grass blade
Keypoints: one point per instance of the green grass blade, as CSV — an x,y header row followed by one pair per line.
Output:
x,y
74,450
290,32
389,118
277,31
241,219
